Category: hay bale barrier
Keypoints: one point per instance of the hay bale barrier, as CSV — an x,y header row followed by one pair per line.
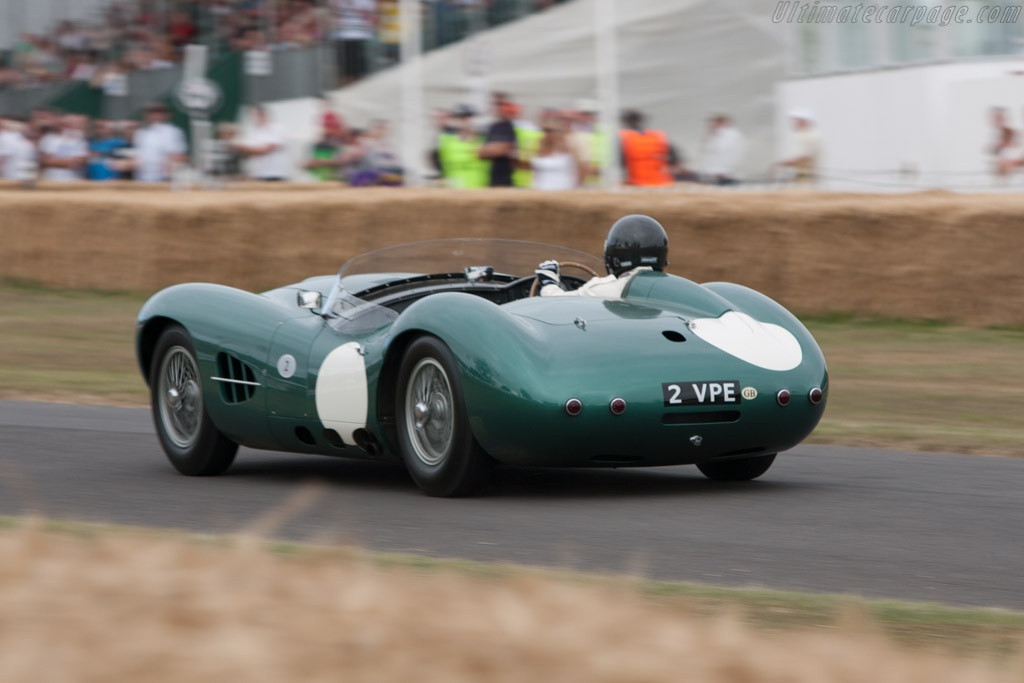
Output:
x,y
933,255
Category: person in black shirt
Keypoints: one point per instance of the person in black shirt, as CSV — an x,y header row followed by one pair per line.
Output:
x,y
500,145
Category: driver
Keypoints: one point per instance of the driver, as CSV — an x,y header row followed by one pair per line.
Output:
x,y
635,243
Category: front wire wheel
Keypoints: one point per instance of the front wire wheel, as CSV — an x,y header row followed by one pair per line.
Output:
x,y
189,438
179,397
429,412
434,437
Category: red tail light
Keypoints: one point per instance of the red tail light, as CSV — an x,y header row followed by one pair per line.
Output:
x,y
617,406
574,406
783,397
815,396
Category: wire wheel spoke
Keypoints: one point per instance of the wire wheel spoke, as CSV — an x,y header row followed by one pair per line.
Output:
x,y
430,417
180,398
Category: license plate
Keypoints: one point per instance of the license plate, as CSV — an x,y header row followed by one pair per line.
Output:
x,y
725,392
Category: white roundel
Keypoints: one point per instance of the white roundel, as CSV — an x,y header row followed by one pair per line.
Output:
x,y
765,345
286,365
341,391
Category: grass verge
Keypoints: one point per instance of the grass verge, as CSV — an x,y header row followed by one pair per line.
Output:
x,y
99,602
916,385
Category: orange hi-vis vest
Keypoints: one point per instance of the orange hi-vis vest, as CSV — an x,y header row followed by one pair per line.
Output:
x,y
646,156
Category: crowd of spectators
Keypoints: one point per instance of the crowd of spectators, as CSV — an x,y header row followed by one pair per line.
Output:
x,y
134,35
566,148
51,145
562,149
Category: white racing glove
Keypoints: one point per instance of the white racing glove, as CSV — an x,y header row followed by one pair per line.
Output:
x,y
547,274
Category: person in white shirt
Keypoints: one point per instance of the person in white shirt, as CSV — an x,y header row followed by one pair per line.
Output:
x,y
160,146
555,165
17,153
64,153
723,151
807,143
265,149
587,143
635,244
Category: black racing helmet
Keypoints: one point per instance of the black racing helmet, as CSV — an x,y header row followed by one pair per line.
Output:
x,y
633,241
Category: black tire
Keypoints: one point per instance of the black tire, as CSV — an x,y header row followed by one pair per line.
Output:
x,y
434,436
737,470
188,436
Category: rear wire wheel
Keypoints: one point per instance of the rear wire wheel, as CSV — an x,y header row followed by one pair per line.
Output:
x,y
189,438
736,470
434,437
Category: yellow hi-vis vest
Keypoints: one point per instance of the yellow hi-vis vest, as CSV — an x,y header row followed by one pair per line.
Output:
x,y
460,164
527,142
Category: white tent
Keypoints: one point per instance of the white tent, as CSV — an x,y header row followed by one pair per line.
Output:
x,y
678,62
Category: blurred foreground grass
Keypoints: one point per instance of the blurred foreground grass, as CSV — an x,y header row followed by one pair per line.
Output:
x,y
897,384
96,603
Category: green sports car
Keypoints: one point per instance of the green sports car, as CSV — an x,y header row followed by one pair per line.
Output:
x,y
441,355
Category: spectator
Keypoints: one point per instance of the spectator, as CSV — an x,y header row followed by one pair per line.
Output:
x,y
723,151
807,143
63,153
1010,153
370,160
555,165
82,68
647,155
352,160
587,143
324,158
445,124
17,153
226,162
330,120
107,158
458,149
265,149
1004,150
380,155
181,30
1000,127
528,136
112,79
355,21
160,146
500,147
41,122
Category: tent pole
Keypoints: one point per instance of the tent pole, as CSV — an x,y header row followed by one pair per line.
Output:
x,y
606,61
412,92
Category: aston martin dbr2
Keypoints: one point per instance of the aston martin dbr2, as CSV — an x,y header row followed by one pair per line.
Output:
x,y
443,355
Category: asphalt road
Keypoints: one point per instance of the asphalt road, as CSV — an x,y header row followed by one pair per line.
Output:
x,y
937,527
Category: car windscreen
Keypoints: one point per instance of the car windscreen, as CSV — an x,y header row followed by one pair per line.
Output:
x,y
468,258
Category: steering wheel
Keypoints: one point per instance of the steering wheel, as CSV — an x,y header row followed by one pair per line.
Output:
x,y
535,287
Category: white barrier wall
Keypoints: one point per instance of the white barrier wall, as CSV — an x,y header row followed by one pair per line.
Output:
x,y
926,126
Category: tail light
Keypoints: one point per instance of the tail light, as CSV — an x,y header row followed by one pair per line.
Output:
x,y
815,395
783,397
617,406
574,406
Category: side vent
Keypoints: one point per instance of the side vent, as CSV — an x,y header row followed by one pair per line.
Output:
x,y
237,380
